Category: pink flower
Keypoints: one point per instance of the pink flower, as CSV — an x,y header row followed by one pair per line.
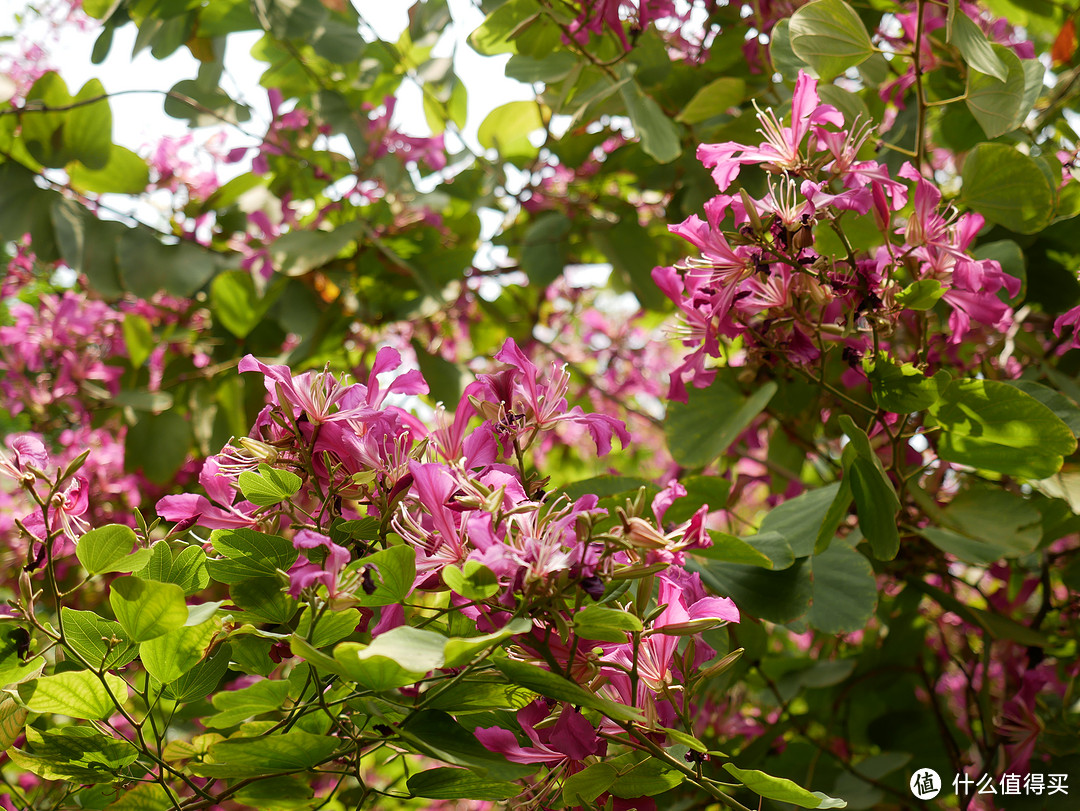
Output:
x,y
783,144
306,573
570,740
223,514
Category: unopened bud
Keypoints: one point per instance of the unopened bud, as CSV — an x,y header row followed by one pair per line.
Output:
x,y
751,210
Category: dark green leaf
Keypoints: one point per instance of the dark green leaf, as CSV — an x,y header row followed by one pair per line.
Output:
x,y
157,444
844,593
555,686
777,596
459,784
701,429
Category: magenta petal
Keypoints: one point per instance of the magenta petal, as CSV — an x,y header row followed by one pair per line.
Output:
x,y
497,739
721,608
574,736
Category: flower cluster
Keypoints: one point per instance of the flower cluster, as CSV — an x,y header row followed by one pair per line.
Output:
x,y
493,541
764,275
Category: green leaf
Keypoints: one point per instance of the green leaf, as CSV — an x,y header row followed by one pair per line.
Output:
x,y
991,425
437,735
239,705
921,295
396,658
141,797
876,505
237,304
584,786
249,554
461,650
86,244
844,592
876,502
264,598
147,610
497,33
138,339
277,793
212,108
781,789
1065,408
552,68
108,549
714,99
701,429
829,36
799,519
508,126
459,784
393,571
781,55
659,135
268,754
543,253
170,656
300,251
834,517
12,721
995,103
642,776
333,626
157,444
605,624
101,642
731,549
269,486
187,570
476,582
777,596
555,686
974,47
77,753
633,253
123,173
148,266
901,388
78,693
1008,188
202,679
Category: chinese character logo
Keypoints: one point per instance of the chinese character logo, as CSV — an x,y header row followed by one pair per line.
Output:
x,y
925,784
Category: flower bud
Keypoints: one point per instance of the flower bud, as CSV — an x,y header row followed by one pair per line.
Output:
x,y
751,210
